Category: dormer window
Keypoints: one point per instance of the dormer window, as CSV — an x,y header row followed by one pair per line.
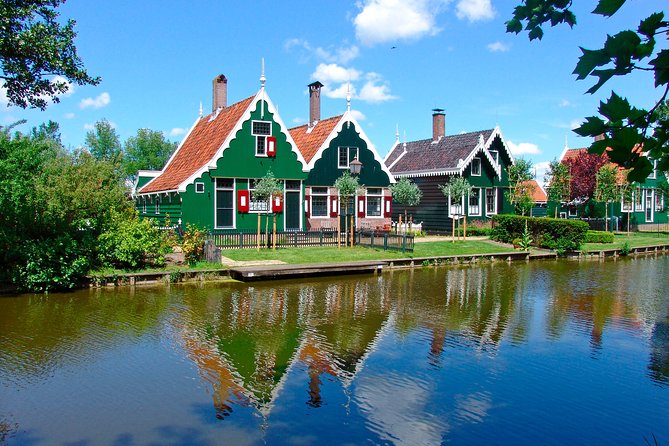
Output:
x,y
261,130
495,155
346,155
476,167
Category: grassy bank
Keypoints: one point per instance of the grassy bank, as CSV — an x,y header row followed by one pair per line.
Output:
x,y
633,239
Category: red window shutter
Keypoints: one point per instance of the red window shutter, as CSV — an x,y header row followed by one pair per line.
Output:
x,y
361,206
243,201
334,204
271,146
307,205
387,207
277,203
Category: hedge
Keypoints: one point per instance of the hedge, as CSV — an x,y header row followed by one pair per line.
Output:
x,y
552,233
599,237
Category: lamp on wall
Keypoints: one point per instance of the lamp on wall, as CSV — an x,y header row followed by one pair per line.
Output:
x,y
355,166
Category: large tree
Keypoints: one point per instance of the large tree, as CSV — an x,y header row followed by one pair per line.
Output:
x,y
455,191
559,184
606,190
406,193
38,57
521,187
103,142
623,126
148,150
581,169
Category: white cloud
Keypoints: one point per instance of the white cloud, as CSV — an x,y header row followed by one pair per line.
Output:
x,y
358,115
523,148
68,84
69,115
101,101
177,131
373,91
89,126
332,54
541,168
339,92
576,123
475,10
298,120
382,21
333,73
565,103
498,47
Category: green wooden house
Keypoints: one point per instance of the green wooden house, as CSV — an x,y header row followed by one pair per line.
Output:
x,y
209,180
329,147
481,157
646,210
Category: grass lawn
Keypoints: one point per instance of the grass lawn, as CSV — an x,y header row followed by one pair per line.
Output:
x,y
634,239
345,254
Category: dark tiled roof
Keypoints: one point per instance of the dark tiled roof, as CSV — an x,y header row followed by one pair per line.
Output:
x,y
426,155
308,143
199,148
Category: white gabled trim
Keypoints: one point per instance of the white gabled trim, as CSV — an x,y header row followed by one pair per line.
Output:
x,y
482,147
427,173
259,97
498,132
347,117
171,158
144,174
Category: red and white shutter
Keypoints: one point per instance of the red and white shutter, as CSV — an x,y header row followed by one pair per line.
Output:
x,y
387,207
271,146
361,206
277,203
307,205
334,204
243,201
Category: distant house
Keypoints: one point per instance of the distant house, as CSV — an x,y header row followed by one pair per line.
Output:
x,y
646,209
481,157
539,198
329,146
210,178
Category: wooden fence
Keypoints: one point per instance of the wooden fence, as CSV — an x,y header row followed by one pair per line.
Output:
x,y
230,239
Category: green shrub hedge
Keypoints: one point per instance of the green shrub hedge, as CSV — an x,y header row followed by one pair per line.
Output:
x,y
552,233
599,237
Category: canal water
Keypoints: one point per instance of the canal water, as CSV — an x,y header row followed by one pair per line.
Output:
x,y
543,353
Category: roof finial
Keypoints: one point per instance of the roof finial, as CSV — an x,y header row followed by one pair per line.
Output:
x,y
262,74
397,133
200,109
405,140
566,143
348,102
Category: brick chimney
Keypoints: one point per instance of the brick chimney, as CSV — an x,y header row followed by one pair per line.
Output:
x,y
314,102
219,92
438,124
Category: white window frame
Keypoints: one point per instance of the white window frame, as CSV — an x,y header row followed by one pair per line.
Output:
x,y
478,205
318,192
495,155
476,161
157,205
199,187
144,206
649,196
254,205
638,200
572,211
627,206
348,156
378,195
659,200
563,215
234,203
261,137
494,201
653,174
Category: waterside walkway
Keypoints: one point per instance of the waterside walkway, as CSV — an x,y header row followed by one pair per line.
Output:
x,y
241,271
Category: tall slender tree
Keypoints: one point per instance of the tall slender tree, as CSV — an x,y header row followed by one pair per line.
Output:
x,y
606,190
406,193
455,191
559,184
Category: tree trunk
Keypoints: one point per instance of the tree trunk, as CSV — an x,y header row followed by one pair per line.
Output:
x,y
464,231
453,229
258,237
606,217
352,229
338,231
274,232
266,227
399,224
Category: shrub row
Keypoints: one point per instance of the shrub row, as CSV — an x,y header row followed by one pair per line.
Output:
x,y
599,237
552,233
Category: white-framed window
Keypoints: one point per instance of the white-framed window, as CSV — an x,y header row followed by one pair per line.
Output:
x,y
659,200
476,167
319,202
261,130
638,200
475,201
345,155
573,212
157,205
225,203
374,201
626,205
491,201
199,188
495,155
257,206
563,215
456,206
144,206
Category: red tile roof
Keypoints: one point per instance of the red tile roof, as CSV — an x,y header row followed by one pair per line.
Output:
x,y
308,142
199,148
570,154
538,194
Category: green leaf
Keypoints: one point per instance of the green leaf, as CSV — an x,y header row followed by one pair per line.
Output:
x,y
514,26
608,7
599,147
649,26
589,61
615,108
661,64
604,76
536,33
640,170
592,126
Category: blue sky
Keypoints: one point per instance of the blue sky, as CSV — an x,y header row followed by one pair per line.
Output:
x,y
402,57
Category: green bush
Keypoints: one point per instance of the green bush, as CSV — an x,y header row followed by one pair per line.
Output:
x,y
193,244
51,264
552,233
599,237
131,243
